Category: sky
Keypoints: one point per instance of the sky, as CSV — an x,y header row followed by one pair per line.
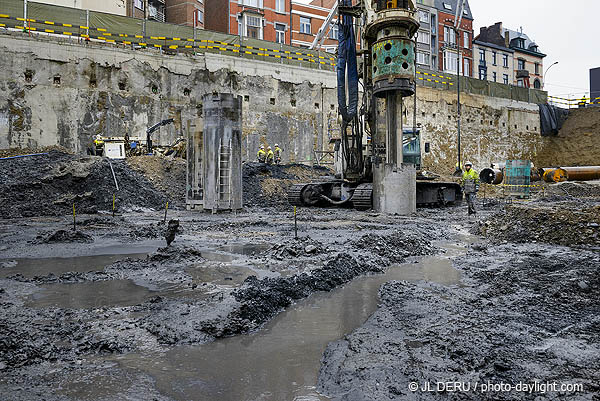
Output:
x,y
564,30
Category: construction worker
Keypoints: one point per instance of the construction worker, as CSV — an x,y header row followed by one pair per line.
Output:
x,y
261,155
270,155
470,186
277,154
98,147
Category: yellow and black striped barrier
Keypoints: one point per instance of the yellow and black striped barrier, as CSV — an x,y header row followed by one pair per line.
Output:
x,y
434,75
435,80
574,102
143,41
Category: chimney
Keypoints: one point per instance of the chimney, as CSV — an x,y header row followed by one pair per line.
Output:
x,y
507,39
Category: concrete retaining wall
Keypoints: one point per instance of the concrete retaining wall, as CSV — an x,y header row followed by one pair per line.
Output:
x,y
113,91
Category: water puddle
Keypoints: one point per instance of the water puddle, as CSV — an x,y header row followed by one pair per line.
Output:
x,y
281,361
31,267
246,249
90,295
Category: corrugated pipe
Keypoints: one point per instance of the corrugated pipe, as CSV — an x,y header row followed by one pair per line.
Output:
x,y
20,156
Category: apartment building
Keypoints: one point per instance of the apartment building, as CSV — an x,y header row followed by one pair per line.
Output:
x,y
495,58
528,60
259,19
427,39
448,41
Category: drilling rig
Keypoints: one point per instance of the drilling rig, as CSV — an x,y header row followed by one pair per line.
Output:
x,y
372,172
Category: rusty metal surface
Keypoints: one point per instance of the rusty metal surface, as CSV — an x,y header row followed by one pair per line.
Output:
x,y
491,176
584,173
555,175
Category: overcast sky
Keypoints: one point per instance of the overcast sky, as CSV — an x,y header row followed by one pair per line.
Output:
x,y
564,30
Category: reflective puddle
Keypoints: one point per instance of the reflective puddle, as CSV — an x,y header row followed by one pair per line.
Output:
x,y
31,267
90,295
281,361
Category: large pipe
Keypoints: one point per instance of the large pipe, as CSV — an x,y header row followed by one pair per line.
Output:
x,y
491,176
584,173
555,175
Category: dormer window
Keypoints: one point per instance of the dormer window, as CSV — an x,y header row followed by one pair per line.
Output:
x,y
447,6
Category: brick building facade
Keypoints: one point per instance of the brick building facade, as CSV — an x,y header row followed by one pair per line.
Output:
x,y
259,19
448,55
186,12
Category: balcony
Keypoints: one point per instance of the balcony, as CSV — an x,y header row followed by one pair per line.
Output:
x,y
522,74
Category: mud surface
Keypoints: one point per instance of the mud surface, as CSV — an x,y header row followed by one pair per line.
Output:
x,y
522,314
49,185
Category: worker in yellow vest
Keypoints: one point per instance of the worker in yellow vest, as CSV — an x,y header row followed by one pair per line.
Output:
x,y
270,155
261,155
470,186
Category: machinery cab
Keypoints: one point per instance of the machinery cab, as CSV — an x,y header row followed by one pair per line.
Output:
x,y
411,147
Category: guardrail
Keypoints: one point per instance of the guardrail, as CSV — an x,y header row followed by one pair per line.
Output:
x,y
577,102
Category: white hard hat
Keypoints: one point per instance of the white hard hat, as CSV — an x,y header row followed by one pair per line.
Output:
x,y
468,164
276,145
262,146
268,147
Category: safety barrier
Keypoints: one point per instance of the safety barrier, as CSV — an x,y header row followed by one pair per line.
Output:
x,y
145,41
574,102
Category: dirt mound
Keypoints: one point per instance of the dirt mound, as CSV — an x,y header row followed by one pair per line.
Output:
x,y
48,185
563,225
166,174
267,185
12,152
395,247
65,236
299,247
574,190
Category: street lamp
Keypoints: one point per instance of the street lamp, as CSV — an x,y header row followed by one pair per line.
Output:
x,y
545,72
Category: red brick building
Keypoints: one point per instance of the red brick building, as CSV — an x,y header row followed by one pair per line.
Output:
x,y
307,19
448,55
259,19
185,12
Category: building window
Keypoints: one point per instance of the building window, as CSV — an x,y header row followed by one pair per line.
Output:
x,y
482,74
254,27
494,54
505,79
537,68
423,37
505,60
280,6
537,84
279,33
520,83
334,31
466,39
520,64
495,76
139,4
305,25
447,6
423,58
467,68
449,35
252,3
482,57
199,17
423,16
450,61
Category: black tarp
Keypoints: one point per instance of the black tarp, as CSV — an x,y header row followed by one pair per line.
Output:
x,y
552,119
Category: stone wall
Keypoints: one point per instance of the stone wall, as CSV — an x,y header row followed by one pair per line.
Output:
x,y
63,94
55,93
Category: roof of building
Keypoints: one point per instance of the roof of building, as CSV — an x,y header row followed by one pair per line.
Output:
x,y
449,6
529,45
323,3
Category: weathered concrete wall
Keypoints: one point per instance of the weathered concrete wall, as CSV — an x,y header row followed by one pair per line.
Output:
x,y
115,91
492,129
577,143
111,92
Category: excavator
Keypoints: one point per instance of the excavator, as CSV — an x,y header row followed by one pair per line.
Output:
x,y
376,158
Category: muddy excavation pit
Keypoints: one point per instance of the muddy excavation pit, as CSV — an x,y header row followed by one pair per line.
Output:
x,y
359,307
